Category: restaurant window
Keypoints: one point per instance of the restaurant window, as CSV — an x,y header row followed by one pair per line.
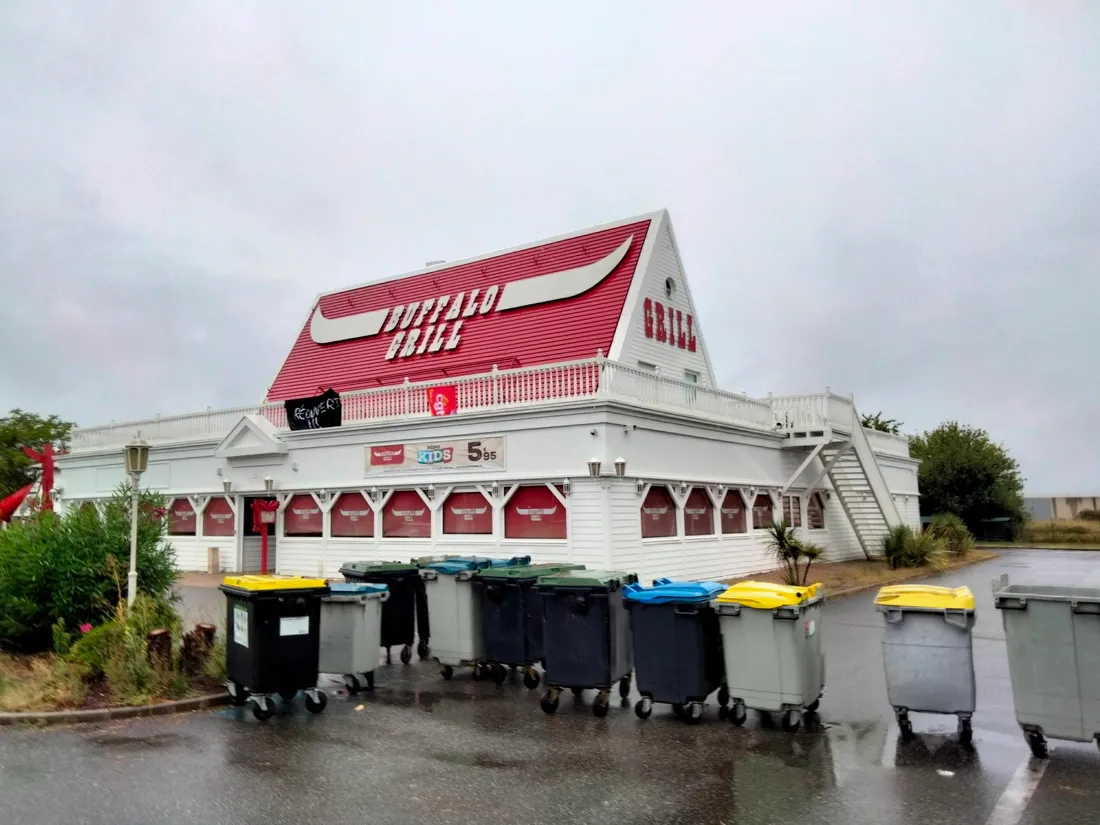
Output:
x,y
815,512
658,514
733,513
762,511
406,516
351,517
218,518
468,514
534,512
181,518
303,517
698,514
792,510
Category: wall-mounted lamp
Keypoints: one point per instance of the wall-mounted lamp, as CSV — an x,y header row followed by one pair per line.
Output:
x,y
227,485
55,494
495,489
374,494
594,468
323,495
684,487
620,466
639,486
565,486
269,483
431,491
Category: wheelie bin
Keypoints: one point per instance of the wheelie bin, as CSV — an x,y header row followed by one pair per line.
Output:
x,y
586,633
457,611
677,647
928,653
351,632
1053,639
511,617
274,633
771,641
405,612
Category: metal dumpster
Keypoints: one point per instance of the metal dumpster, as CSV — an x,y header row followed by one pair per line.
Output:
x,y
928,653
1052,634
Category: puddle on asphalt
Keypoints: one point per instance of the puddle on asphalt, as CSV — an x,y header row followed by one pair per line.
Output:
x,y
153,741
478,760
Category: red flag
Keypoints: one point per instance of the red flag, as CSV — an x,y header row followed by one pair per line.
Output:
x,y
443,400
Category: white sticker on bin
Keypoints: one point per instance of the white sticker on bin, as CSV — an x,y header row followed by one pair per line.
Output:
x,y
240,625
294,626
811,628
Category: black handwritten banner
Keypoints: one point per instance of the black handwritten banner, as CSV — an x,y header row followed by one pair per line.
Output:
x,y
318,412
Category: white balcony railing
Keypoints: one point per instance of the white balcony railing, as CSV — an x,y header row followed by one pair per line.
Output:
x,y
505,389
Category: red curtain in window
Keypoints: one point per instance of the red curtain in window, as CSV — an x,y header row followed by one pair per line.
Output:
x,y
352,517
303,517
218,518
406,516
762,511
468,514
815,512
792,510
733,513
698,514
181,518
534,512
658,514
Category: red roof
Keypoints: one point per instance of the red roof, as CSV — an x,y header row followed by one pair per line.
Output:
x,y
464,319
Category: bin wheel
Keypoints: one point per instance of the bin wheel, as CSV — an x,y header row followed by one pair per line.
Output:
x,y
549,702
237,694
262,708
577,691
389,656
1038,744
624,686
905,726
966,733
499,674
370,680
602,703
406,654
423,650
287,695
738,713
723,695
316,704
643,707
723,712
480,672
447,671
791,721
353,683
531,678
678,710
814,705
693,713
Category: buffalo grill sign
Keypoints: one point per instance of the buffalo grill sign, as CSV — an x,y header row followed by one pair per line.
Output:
x,y
317,412
469,454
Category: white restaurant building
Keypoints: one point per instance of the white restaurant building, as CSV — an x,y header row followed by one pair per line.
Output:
x,y
583,424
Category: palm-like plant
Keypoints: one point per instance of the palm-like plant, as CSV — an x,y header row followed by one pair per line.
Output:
x,y
790,552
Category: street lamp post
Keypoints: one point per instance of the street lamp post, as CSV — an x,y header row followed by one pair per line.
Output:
x,y
137,461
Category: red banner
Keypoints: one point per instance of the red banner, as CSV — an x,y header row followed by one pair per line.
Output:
x,y
443,400
384,454
406,516
698,514
303,516
468,514
181,518
217,518
352,517
733,513
658,514
535,513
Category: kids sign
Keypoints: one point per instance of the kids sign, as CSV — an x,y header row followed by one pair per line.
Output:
x,y
485,452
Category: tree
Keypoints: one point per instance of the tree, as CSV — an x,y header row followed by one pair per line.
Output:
x,y
21,429
883,425
963,471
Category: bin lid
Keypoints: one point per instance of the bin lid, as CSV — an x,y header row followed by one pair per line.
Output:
x,y
376,567
275,582
527,571
453,566
926,597
356,588
768,596
587,578
665,591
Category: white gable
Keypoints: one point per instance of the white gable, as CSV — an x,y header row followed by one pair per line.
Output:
x,y
661,334
254,435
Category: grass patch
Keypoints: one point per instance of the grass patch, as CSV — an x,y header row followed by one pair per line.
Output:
x,y
844,575
1060,532
40,682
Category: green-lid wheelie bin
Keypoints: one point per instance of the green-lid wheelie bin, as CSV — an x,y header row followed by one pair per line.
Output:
x,y
586,633
405,613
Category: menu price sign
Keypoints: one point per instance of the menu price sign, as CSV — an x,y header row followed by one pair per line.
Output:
x,y
486,452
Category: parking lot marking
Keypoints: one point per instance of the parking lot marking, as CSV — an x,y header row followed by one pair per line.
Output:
x,y
1013,802
890,747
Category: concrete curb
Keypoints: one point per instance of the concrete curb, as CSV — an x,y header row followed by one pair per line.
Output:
x,y
63,717
917,573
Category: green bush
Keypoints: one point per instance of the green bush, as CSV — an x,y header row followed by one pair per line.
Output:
x,y
905,547
94,649
791,552
952,532
893,545
72,568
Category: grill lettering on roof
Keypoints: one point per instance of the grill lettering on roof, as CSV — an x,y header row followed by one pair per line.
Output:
x,y
416,332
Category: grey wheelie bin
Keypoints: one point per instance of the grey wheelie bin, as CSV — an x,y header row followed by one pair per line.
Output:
x,y
771,641
586,633
511,617
928,653
1053,639
456,612
405,613
351,632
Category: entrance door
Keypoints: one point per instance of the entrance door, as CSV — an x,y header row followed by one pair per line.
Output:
x,y
252,541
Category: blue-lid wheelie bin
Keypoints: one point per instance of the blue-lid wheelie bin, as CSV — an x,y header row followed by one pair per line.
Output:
x,y
677,647
586,634
511,617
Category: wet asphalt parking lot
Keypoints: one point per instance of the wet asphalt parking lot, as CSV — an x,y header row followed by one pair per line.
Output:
x,y
423,750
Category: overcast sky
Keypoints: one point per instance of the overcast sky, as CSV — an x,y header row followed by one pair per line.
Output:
x,y
897,198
